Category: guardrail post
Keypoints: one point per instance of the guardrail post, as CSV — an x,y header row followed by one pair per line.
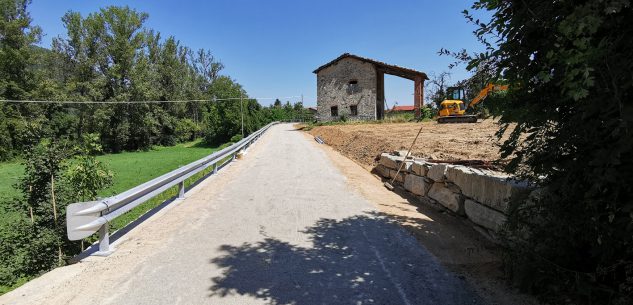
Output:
x,y
104,241
233,157
181,190
215,168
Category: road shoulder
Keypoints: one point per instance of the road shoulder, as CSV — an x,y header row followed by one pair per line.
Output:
x,y
453,241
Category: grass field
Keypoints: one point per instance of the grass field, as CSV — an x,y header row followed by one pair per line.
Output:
x,y
130,169
133,168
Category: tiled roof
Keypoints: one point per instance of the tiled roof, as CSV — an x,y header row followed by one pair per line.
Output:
x,y
403,108
390,69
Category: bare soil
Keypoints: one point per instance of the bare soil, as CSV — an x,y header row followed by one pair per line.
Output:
x,y
363,142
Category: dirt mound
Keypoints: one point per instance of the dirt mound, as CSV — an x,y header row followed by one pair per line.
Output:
x,y
363,142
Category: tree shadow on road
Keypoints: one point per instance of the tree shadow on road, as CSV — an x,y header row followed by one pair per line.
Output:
x,y
365,259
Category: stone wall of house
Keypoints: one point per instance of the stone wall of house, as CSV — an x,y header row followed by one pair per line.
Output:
x,y
333,89
482,196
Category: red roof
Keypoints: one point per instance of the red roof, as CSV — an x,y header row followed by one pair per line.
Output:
x,y
403,108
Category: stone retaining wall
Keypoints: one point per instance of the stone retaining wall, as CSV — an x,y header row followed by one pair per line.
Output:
x,y
482,196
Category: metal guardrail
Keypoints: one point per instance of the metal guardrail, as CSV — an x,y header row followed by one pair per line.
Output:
x,y
85,218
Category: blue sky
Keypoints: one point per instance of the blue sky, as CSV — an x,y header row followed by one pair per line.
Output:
x,y
271,47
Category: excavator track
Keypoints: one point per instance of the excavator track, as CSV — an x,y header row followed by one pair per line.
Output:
x,y
457,119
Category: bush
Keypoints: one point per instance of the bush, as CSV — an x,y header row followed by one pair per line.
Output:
x,y
57,173
187,130
567,119
428,112
399,117
26,250
236,138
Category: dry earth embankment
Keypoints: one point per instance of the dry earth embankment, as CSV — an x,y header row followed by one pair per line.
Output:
x,y
363,142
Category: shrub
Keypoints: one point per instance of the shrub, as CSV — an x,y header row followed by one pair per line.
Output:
x,y
568,117
236,138
33,231
187,130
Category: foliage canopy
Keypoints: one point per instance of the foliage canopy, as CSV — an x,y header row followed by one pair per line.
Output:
x,y
569,67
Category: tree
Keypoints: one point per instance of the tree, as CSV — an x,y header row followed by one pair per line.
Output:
x,y
297,107
84,174
44,164
16,37
207,66
436,88
568,115
16,76
57,173
224,119
110,56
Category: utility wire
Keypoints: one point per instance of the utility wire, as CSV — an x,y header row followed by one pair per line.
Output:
x,y
139,102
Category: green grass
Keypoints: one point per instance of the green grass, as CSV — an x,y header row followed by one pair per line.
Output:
x,y
10,174
23,280
138,211
130,169
133,168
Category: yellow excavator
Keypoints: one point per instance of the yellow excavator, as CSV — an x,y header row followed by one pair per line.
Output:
x,y
453,109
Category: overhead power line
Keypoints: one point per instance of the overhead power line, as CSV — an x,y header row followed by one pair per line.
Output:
x,y
140,102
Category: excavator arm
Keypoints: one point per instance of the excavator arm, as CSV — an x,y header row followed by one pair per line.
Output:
x,y
484,93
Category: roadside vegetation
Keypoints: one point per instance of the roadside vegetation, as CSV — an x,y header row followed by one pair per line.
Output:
x,y
569,67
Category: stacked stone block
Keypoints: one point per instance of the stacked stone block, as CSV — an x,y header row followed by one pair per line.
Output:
x,y
482,196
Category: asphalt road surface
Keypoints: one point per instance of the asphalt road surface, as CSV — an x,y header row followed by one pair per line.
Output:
x,y
279,226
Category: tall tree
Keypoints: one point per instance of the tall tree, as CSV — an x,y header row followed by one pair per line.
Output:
x,y
17,36
436,88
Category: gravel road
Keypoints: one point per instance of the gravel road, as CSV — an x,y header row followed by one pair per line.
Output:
x,y
280,226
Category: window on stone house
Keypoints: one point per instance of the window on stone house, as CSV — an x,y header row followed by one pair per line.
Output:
x,y
352,87
334,110
353,110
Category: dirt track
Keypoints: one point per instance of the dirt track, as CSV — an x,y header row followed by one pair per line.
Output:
x,y
363,142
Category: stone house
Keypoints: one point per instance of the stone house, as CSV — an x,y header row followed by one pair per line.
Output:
x,y
354,87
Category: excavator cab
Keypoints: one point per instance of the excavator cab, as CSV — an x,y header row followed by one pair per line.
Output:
x,y
455,93
453,105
